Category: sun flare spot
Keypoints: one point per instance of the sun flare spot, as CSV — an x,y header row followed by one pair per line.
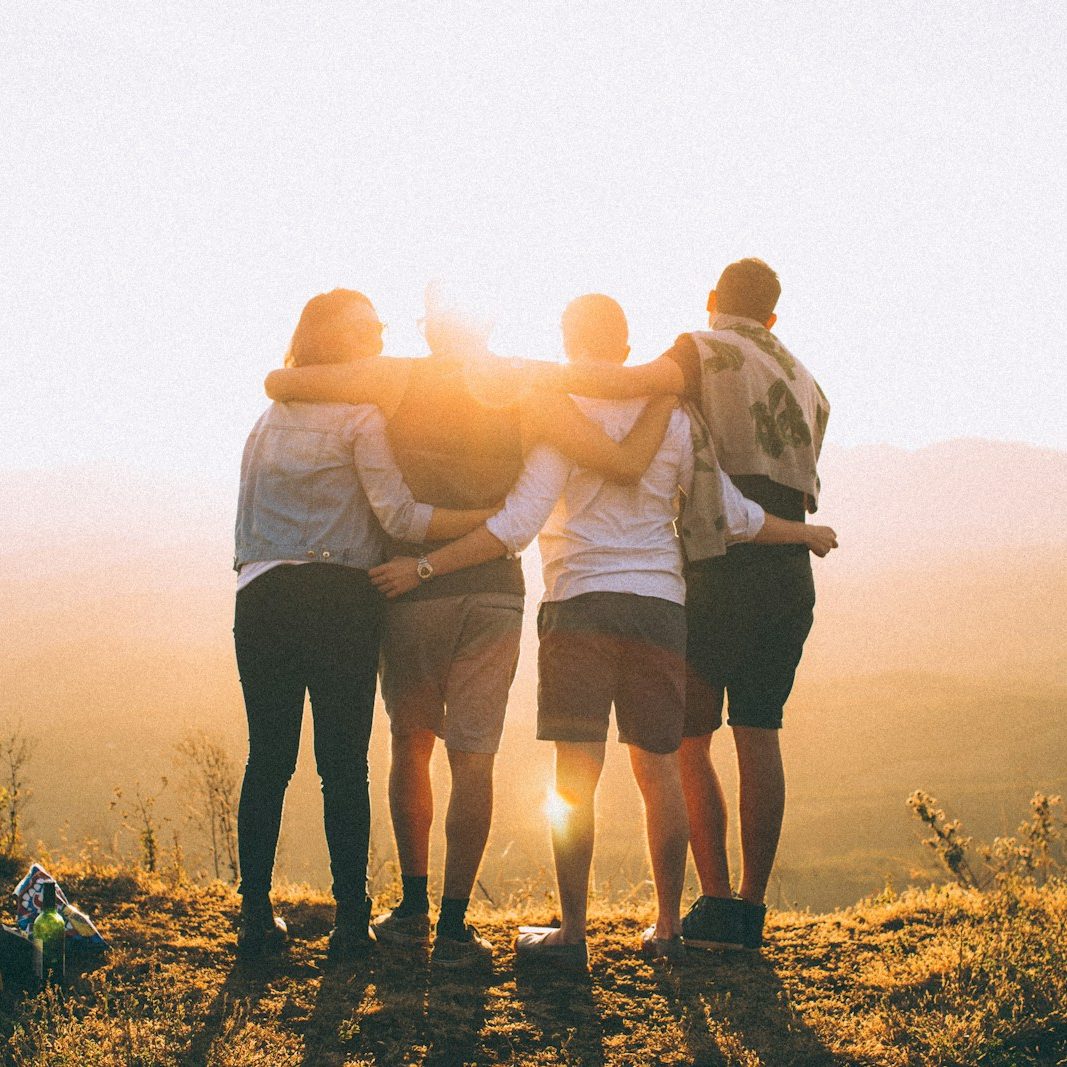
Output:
x,y
556,809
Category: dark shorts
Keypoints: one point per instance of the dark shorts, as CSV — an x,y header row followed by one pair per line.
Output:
x,y
749,613
600,649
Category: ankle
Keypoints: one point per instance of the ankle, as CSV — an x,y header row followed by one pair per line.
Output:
x,y
415,900
570,933
720,890
256,905
668,926
452,921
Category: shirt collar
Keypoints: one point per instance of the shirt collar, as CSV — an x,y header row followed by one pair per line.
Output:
x,y
724,321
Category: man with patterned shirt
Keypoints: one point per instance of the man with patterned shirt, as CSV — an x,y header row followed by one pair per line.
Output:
x,y
749,609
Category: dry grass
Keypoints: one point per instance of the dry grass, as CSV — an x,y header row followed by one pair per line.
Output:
x,y
942,976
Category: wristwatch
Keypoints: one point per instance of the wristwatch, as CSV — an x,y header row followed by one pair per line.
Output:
x,y
424,569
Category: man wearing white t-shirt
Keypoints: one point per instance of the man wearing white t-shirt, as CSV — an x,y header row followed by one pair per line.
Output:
x,y
612,629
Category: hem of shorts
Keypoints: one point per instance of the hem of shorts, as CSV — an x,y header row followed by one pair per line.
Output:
x,y
409,731
754,725
645,748
701,731
553,735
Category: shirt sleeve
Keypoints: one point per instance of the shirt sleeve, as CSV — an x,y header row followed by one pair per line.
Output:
x,y
531,500
684,353
390,499
744,517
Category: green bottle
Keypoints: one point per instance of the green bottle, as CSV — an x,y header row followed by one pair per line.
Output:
x,y
49,940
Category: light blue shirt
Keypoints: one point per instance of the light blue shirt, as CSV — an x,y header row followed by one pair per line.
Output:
x,y
319,484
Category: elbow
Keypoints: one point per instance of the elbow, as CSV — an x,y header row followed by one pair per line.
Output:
x,y
401,525
272,385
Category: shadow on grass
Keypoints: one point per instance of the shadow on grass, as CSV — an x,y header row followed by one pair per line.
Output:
x,y
417,1006
455,1015
241,990
561,1006
394,1022
726,1003
335,1024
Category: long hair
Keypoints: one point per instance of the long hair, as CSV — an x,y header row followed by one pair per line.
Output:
x,y
320,335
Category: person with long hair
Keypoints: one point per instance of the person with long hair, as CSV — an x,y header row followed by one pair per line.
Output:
x,y
320,495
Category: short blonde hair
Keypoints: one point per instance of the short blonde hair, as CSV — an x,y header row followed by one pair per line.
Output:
x,y
596,324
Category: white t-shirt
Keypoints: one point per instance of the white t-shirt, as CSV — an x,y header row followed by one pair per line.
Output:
x,y
598,536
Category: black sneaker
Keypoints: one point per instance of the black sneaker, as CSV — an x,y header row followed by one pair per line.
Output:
x,y
259,931
715,923
351,937
460,953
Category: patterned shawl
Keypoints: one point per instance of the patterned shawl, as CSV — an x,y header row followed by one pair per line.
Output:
x,y
766,413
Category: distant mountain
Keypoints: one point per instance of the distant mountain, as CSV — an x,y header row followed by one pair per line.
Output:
x,y
895,508
952,559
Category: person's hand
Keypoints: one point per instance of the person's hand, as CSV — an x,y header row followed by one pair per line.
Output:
x,y
396,577
820,539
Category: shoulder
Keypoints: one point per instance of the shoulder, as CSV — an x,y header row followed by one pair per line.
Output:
x,y
685,344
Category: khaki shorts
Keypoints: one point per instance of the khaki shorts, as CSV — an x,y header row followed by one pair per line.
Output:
x,y
447,665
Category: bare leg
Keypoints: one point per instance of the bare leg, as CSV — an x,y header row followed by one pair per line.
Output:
x,y
659,779
578,767
707,816
759,764
470,812
411,799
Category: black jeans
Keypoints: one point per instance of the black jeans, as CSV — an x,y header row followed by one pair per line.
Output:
x,y
313,628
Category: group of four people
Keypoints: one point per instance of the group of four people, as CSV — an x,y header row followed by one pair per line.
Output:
x,y
422,480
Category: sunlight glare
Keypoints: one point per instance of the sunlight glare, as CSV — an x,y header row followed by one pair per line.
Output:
x,y
556,809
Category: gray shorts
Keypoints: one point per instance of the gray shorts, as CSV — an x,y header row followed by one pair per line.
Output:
x,y
447,665
599,649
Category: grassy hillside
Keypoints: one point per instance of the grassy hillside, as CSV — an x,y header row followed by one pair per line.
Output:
x,y
941,976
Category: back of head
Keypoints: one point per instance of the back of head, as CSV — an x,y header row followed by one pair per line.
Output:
x,y
748,288
335,327
594,327
456,323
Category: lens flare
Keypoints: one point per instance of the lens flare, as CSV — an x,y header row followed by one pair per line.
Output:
x,y
556,809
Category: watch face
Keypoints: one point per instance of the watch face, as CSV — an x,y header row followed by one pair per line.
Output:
x,y
424,570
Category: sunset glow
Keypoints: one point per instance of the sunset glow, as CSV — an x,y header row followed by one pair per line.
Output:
x,y
534,533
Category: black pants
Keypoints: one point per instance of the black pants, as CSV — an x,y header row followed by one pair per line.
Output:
x,y
313,628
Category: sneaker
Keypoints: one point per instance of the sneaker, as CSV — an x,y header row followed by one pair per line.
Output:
x,y
715,923
396,928
752,917
351,937
532,948
468,952
259,931
671,949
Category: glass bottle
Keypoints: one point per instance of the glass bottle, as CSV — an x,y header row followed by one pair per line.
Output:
x,y
49,940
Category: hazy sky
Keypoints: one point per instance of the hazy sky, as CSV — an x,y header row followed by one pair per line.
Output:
x,y
178,179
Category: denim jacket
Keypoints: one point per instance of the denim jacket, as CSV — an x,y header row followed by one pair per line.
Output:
x,y
318,484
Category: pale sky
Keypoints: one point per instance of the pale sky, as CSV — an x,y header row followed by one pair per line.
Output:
x,y
178,179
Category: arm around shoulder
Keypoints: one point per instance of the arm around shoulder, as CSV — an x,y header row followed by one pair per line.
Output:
x,y
379,380
556,421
